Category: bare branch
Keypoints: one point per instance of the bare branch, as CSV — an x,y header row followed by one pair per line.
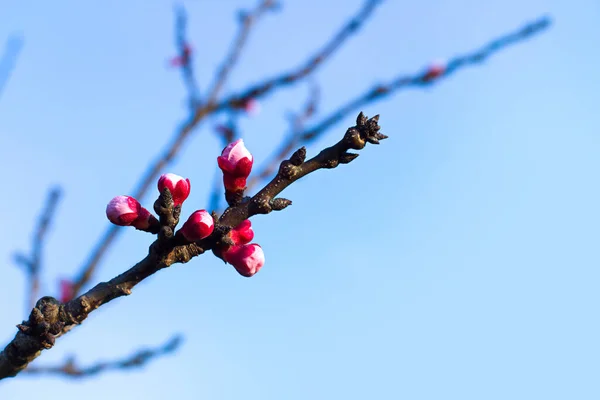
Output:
x,y
185,56
294,139
32,264
136,360
247,20
419,79
304,70
51,319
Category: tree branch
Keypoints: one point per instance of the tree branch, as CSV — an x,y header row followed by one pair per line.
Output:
x,y
32,264
51,319
304,70
135,360
247,19
418,79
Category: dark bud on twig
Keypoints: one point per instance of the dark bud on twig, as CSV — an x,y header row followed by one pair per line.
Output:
x,y
298,157
164,204
280,203
347,157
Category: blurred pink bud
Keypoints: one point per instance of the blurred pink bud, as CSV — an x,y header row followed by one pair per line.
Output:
x,y
127,211
198,226
243,233
176,61
252,107
247,259
178,186
435,70
183,59
66,290
236,160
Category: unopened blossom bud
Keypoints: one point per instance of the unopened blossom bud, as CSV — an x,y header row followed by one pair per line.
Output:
x,y
177,185
235,159
66,290
252,107
243,233
247,259
435,70
127,211
198,226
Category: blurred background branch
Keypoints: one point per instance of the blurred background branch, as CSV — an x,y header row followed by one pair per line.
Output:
x,y
12,49
138,359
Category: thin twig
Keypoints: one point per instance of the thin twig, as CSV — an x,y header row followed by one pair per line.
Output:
x,y
185,54
12,49
32,264
295,75
294,139
247,20
50,318
136,360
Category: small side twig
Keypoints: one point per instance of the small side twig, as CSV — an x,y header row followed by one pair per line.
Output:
x,y
32,264
304,70
138,359
294,139
247,22
12,49
185,55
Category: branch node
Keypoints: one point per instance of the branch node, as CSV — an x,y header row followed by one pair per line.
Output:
x,y
287,170
260,205
280,203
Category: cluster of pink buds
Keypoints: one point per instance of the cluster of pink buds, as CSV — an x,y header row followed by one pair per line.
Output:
x,y
246,258
434,71
236,163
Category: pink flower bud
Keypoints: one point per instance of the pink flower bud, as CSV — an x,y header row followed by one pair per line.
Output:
x,y
178,186
252,107
243,233
127,211
123,210
435,70
198,226
236,160
66,290
247,259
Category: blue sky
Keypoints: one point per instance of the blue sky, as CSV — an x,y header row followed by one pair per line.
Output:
x,y
474,277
